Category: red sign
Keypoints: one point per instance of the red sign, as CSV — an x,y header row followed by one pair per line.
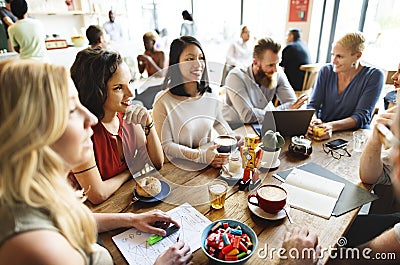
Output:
x,y
298,10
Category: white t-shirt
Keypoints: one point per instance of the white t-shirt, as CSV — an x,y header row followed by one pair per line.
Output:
x,y
28,34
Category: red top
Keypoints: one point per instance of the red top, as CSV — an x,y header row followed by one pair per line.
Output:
x,y
105,148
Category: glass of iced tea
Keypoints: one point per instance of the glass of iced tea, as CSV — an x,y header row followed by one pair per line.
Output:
x,y
217,190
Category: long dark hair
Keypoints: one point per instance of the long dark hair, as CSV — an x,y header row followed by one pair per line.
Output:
x,y
173,79
92,69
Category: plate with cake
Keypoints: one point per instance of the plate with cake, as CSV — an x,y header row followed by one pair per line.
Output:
x,y
151,189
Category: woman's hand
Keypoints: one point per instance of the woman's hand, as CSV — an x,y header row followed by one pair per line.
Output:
x,y
154,221
219,160
175,255
136,114
311,126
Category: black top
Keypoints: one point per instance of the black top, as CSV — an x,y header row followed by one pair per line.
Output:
x,y
4,12
294,55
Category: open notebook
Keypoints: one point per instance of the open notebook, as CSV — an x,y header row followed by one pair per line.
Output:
x,y
352,195
312,193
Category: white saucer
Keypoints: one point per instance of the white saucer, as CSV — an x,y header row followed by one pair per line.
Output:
x,y
261,213
235,176
264,164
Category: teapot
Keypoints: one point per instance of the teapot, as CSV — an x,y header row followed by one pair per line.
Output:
x,y
300,145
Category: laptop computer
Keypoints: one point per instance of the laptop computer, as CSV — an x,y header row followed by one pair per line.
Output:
x,y
286,122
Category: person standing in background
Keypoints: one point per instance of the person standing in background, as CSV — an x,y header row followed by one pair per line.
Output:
x,y
8,19
188,28
113,29
27,35
296,53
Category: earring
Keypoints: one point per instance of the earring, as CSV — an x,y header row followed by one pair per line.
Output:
x,y
354,64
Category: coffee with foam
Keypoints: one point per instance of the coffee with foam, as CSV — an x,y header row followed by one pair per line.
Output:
x,y
272,193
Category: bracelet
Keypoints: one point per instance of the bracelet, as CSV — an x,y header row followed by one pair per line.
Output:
x,y
148,127
87,169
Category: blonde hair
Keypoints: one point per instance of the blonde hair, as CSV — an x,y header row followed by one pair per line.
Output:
x,y
354,41
151,35
34,109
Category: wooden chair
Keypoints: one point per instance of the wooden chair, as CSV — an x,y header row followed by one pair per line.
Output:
x,y
311,73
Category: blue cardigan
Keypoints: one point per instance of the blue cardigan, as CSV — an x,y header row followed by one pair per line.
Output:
x,y
356,101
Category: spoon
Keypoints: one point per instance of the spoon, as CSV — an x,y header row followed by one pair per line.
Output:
x,y
288,216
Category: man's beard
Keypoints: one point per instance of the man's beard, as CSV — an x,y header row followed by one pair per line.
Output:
x,y
268,81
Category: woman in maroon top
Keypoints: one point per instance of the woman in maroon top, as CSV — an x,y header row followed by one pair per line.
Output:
x,y
125,136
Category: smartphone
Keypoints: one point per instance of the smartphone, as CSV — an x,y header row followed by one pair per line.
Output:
x,y
337,143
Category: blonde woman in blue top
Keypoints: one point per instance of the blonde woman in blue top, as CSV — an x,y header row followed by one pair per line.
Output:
x,y
346,92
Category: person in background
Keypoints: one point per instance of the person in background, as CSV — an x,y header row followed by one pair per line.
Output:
x,y
95,36
8,19
27,35
249,90
239,53
152,60
186,111
124,137
188,27
346,92
379,233
113,28
293,55
42,139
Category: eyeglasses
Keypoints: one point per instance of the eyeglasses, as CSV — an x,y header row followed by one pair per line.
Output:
x,y
336,153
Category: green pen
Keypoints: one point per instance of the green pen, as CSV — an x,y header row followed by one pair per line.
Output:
x,y
156,238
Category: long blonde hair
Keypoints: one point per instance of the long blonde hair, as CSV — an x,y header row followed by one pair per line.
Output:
x,y
34,109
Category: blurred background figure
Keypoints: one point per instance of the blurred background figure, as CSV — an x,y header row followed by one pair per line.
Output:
x,y
113,28
152,60
188,28
95,36
8,19
27,35
295,53
240,53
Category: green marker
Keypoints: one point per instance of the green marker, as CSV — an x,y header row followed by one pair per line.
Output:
x,y
156,238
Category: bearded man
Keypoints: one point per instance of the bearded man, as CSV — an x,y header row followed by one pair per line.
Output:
x,y
249,90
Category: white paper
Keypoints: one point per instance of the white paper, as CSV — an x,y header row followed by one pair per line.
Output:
x,y
133,243
312,193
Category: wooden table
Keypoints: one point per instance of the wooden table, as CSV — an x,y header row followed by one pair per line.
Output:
x,y
189,186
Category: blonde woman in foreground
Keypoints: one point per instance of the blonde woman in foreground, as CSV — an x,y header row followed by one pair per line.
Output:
x,y
45,131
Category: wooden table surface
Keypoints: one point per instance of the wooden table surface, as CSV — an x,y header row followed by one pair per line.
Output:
x,y
190,186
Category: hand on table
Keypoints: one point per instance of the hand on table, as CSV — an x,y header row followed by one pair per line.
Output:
x,y
301,238
326,134
154,221
178,254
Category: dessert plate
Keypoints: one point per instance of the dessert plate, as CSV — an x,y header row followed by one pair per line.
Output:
x,y
261,213
165,190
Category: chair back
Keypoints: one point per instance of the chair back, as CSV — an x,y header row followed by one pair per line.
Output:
x,y
311,73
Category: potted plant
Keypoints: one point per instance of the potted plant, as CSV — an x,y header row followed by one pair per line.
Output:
x,y
271,144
